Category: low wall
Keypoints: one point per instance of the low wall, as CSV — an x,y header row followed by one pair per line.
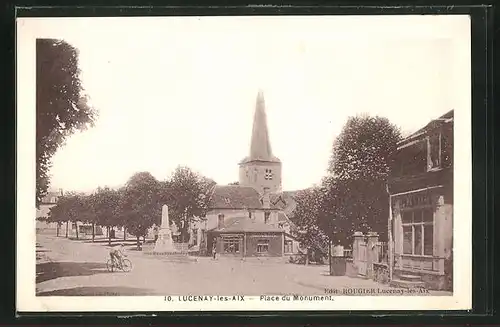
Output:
x,y
351,270
381,273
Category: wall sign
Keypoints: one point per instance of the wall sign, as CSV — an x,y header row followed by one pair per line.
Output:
x,y
416,200
265,235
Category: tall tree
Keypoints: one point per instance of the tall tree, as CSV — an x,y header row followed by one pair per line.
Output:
x,y
361,162
309,219
105,204
61,106
140,204
187,195
57,214
68,209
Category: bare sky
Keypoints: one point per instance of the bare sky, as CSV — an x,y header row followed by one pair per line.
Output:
x,y
181,91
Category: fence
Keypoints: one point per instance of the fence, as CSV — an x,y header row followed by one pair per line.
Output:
x,y
368,255
181,247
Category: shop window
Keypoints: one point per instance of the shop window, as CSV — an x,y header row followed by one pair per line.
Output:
x,y
418,232
269,175
262,246
288,246
231,244
434,152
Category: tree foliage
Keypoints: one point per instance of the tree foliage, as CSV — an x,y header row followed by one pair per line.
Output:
x,y
140,204
187,196
74,207
360,165
364,149
61,106
105,205
310,219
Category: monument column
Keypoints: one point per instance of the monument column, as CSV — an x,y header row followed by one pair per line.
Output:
x,y
164,242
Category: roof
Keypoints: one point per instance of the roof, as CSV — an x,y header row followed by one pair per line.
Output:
x,y
235,197
260,147
282,217
446,118
48,198
284,201
245,224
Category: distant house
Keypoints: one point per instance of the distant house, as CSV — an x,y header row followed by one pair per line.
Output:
x,y
421,190
48,201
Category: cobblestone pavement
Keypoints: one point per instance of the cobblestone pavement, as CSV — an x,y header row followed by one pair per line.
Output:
x,y
67,267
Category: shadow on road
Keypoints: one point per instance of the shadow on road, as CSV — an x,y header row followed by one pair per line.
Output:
x,y
100,291
51,270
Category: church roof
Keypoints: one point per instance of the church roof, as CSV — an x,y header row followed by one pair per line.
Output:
x,y
260,147
235,197
245,224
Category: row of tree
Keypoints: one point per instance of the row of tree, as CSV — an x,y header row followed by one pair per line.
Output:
x,y
353,195
136,207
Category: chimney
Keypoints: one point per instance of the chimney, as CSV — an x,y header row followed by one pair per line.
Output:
x,y
220,221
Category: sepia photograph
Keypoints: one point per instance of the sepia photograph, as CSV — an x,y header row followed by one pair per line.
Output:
x,y
244,163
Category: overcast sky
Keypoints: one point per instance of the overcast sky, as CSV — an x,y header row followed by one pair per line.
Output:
x,y
181,91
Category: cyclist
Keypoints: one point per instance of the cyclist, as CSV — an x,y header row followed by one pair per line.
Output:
x,y
117,255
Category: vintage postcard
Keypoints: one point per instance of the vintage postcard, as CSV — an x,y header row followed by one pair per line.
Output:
x,y
244,163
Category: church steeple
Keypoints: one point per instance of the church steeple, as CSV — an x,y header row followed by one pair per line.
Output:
x,y
260,147
261,169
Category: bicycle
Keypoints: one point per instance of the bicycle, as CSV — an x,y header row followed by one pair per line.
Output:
x,y
124,265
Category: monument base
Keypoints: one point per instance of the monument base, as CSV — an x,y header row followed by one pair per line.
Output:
x,y
164,243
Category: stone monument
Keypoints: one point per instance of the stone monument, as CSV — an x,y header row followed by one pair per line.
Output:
x,y
164,243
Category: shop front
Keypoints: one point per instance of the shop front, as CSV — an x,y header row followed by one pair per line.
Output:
x,y
248,239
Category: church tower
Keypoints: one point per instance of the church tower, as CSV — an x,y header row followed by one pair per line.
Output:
x,y
261,170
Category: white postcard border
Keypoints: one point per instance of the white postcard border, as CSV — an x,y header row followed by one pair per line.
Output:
x,y
28,29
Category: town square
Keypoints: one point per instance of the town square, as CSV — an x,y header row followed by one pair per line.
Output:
x,y
245,233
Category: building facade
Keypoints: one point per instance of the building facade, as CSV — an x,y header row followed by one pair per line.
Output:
x,y
421,189
257,201
246,237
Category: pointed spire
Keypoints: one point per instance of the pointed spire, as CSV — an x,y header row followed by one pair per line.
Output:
x,y
260,148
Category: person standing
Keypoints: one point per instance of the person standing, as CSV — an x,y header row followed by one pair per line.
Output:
x,y
214,249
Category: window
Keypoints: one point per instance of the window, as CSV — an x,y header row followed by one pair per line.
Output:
x,y
220,221
434,152
262,246
267,214
418,232
250,214
288,246
269,175
231,244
